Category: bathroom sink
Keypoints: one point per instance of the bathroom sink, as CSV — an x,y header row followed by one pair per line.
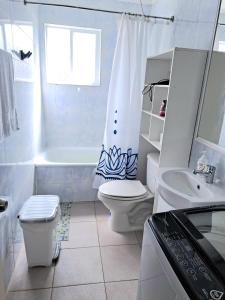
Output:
x,y
182,189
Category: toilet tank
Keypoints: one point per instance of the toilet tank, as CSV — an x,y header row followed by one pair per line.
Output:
x,y
152,171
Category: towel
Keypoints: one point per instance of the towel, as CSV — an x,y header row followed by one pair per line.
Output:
x,y
8,114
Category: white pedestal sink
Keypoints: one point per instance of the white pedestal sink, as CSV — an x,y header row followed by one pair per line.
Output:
x,y
179,188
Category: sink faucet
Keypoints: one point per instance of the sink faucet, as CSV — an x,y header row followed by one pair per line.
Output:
x,y
208,172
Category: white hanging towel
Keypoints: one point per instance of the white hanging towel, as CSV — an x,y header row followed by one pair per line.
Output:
x,y
8,115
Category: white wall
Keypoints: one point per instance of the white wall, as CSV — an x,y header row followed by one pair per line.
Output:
x,y
193,26
17,151
75,115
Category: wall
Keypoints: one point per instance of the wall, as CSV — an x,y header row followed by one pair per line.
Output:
x,y
193,26
17,151
75,115
216,157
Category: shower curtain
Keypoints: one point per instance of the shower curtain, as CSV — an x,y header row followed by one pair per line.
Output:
x,y
119,155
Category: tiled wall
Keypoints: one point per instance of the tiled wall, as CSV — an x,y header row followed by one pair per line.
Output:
x,y
70,183
17,151
215,158
75,115
193,26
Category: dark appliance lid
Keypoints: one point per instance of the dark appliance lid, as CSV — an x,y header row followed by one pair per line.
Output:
x,y
193,241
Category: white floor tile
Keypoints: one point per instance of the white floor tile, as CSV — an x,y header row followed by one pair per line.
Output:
x,y
121,262
102,212
78,266
82,212
24,278
80,292
139,235
30,295
123,290
82,234
109,237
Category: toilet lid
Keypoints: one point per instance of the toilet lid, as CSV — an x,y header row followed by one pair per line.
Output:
x,y
123,188
39,209
146,196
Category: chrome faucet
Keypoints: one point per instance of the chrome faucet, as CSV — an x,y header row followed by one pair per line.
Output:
x,y
208,172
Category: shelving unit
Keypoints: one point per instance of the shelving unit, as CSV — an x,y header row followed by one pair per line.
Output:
x,y
169,138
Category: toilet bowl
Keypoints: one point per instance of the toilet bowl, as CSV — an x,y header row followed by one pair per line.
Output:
x,y
129,202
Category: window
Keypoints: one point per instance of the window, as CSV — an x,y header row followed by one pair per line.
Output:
x,y
73,55
16,37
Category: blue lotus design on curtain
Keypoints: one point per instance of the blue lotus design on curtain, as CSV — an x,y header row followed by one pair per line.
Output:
x,y
116,164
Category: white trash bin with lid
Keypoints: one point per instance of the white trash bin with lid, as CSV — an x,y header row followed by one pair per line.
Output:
x,y
38,219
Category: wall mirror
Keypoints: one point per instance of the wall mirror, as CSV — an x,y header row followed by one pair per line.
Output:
x,y
212,119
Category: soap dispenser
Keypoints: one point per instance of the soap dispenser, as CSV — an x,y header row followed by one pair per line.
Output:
x,y
202,161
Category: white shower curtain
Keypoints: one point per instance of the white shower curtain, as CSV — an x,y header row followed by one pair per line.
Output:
x,y
119,155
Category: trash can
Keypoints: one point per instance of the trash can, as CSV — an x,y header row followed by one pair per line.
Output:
x,y
38,219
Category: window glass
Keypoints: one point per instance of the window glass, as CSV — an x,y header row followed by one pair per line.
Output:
x,y
76,58
58,55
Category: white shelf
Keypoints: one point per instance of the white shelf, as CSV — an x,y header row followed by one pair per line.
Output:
x,y
182,103
158,117
155,156
161,86
146,137
155,144
147,112
164,56
153,115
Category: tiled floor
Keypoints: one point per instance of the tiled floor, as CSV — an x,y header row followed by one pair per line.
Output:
x,y
95,264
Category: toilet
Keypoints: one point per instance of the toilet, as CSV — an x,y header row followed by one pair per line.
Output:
x,y
129,201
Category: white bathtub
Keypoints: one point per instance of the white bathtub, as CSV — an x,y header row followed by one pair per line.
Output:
x,y
69,156
67,172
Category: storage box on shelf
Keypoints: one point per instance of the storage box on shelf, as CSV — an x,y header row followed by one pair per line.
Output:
x,y
169,138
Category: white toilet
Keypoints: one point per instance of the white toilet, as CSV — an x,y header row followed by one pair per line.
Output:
x,y
129,201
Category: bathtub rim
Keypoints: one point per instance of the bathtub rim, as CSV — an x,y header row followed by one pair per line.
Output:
x,y
41,160
62,164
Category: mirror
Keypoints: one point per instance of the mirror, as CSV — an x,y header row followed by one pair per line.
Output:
x,y
212,119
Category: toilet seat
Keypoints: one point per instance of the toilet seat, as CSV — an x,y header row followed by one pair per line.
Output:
x,y
123,189
128,199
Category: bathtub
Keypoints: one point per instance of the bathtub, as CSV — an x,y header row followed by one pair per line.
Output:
x,y
69,155
67,172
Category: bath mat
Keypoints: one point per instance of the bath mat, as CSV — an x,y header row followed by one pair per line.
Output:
x,y
62,229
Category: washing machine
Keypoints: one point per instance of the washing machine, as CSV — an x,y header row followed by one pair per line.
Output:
x,y
183,255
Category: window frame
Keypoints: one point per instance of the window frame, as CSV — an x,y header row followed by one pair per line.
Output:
x,y
74,29
17,25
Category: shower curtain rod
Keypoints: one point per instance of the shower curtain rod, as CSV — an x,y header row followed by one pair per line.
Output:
x,y
171,19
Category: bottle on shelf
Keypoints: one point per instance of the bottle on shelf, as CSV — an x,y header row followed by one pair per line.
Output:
x,y
162,111
202,161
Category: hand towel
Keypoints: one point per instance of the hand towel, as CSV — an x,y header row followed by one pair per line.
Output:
x,y
8,114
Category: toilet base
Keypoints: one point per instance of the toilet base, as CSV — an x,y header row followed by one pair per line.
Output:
x,y
119,222
130,218
128,215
